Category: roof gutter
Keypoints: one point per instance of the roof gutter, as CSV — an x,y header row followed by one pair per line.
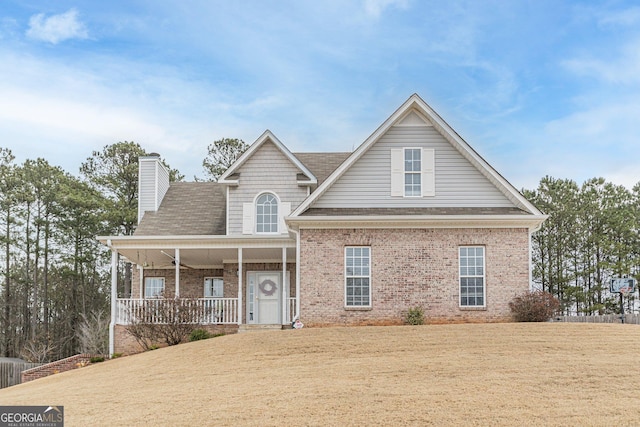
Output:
x,y
531,222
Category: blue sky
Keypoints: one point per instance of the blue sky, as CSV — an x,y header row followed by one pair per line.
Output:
x,y
536,87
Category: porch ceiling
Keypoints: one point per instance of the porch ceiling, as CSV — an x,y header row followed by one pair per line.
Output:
x,y
204,258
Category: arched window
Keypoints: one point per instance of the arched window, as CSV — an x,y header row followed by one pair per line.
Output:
x,y
267,214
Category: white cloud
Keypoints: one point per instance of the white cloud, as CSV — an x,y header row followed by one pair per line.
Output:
x,y
57,28
374,8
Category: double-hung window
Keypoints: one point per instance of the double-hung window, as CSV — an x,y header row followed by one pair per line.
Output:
x,y
213,287
472,276
357,276
153,287
412,172
267,214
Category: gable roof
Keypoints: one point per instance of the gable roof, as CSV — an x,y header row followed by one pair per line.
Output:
x,y
227,176
187,209
199,208
405,112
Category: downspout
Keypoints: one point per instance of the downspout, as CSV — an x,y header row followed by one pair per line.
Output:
x,y
297,313
240,285
531,231
285,301
177,261
530,263
141,280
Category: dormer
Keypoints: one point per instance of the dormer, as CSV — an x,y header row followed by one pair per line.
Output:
x,y
263,186
231,176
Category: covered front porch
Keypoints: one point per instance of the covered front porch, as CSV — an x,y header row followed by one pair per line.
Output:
x,y
206,280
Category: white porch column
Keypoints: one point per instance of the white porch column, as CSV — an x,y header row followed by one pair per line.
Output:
x,y
177,261
285,300
240,286
114,300
141,284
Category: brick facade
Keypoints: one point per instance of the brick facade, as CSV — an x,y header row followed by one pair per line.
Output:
x,y
410,268
192,280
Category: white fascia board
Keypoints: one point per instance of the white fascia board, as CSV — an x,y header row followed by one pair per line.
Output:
x,y
234,182
531,222
472,155
196,241
267,135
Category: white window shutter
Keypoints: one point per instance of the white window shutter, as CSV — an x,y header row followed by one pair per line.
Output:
x,y
247,218
397,172
428,172
285,209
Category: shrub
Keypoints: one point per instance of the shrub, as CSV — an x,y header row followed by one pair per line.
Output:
x,y
537,306
93,333
415,316
199,334
96,359
168,320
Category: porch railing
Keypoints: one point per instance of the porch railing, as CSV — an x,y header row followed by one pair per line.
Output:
x,y
203,311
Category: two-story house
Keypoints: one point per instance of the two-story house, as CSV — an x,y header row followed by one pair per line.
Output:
x,y
414,217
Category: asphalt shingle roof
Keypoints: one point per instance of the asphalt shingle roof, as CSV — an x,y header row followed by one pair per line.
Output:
x,y
199,208
188,208
322,164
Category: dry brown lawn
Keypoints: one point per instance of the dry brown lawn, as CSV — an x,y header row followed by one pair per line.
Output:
x,y
476,374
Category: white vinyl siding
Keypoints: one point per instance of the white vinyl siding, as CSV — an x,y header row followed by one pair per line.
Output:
x,y
357,276
268,170
369,181
472,276
153,183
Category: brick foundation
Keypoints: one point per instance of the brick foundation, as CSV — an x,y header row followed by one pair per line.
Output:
x,y
125,344
410,268
73,362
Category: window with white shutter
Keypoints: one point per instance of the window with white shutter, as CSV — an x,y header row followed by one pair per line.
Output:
x,y
412,172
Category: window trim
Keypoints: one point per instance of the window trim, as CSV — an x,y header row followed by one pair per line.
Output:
x,y
483,276
278,207
418,172
427,177
204,284
146,287
347,277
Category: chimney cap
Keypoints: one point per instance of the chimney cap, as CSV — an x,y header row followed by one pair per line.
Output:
x,y
153,155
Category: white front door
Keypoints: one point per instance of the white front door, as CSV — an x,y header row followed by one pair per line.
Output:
x,y
267,292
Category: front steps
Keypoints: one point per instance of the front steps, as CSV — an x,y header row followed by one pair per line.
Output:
x,y
260,328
